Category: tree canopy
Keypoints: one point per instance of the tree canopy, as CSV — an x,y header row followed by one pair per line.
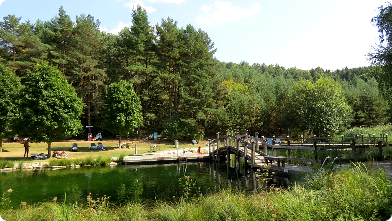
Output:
x,y
122,112
318,108
186,93
50,108
9,91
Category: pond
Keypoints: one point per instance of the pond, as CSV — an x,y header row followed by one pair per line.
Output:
x,y
126,183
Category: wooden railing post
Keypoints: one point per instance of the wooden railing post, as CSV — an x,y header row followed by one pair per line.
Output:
x,y
253,154
237,145
213,149
354,150
228,155
257,141
227,143
209,147
315,150
342,140
288,150
379,144
217,145
245,151
265,146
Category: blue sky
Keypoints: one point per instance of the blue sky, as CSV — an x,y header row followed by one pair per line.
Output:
x,y
306,34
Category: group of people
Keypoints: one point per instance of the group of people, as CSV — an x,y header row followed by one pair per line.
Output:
x,y
56,154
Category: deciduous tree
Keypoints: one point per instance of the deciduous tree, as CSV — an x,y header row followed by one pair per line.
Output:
x,y
318,108
122,110
9,89
49,106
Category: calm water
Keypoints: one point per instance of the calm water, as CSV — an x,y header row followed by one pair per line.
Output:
x,y
123,184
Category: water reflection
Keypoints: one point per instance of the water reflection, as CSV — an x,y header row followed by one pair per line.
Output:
x,y
128,183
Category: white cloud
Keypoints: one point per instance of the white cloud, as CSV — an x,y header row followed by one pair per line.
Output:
x,y
206,8
169,1
120,26
133,4
225,12
1,1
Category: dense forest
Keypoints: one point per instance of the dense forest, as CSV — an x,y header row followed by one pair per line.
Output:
x,y
185,93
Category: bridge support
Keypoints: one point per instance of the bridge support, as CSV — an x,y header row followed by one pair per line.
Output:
x,y
379,144
354,151
315,150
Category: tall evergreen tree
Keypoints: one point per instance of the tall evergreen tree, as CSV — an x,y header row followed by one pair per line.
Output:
x,y
142,66
20,48
88,74
58,37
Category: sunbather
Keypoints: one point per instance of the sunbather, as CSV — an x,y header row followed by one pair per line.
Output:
x,y
64,154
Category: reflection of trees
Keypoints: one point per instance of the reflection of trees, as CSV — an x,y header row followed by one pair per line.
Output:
x,y
74,193
122,184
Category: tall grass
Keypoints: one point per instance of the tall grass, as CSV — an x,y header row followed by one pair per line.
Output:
x,y
366,131
6,164
357,193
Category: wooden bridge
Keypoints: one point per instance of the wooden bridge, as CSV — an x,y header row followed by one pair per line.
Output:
x,y
258,151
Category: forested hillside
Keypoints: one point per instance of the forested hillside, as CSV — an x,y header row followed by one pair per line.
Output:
x,y
186,93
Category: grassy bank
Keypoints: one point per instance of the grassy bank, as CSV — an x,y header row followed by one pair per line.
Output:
x,y
357,193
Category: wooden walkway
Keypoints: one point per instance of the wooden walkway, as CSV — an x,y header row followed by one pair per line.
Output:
x,y
167,157
252,151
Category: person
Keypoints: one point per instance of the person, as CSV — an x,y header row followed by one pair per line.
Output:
x,y
64,154
26,146
55,154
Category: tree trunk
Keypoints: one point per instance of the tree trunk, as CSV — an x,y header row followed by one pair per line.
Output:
x,y
1,144
49,149
89,115
119,142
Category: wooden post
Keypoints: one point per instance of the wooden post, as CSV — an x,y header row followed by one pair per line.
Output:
x,y
265,147
245,152
227,139
253,154
257,141
273,152
315,150
288,151
354,150
135,148
379,144
209,147
228,155
386,140
217,146
237,145
213,150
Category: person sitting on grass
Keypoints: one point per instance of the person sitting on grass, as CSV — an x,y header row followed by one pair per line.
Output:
x,y
64,154
56,154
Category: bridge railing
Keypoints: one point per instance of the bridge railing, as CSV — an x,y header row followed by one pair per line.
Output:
x,y
349,146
